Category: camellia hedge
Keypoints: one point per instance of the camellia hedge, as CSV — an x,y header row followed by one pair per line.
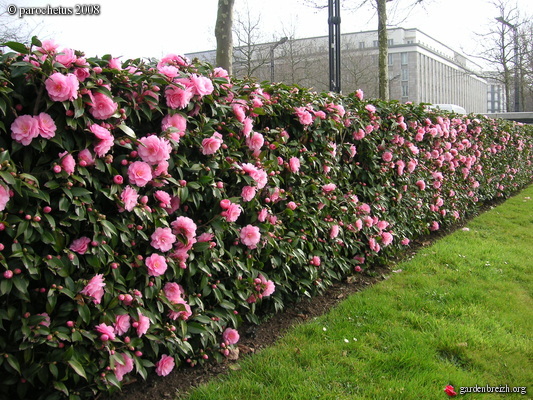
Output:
x,y
147,209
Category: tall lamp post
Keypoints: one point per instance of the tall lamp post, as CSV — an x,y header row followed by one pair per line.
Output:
x,y
281,41
334,22
516,74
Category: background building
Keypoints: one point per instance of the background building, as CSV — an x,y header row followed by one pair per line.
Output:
x,y
421,69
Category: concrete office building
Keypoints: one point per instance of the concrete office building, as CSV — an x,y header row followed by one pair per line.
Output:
x,y
421,69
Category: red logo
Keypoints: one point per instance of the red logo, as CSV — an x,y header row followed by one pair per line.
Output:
x,y
449,390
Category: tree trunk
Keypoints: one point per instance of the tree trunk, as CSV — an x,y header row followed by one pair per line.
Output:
x,y
383,65
224,35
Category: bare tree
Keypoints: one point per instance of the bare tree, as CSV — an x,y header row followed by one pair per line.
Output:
x,y
249,55
224,35
504,47
11,27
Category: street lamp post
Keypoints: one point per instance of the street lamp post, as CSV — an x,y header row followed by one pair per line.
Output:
x,y
516,67
281,41
334,22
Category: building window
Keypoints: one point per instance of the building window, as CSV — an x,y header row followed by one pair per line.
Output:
x,y
391,42
376,43
405,58
405,90
410,41
361,45
391,59
405,74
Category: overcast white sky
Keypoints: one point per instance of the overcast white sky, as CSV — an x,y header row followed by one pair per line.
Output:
x,y
154,28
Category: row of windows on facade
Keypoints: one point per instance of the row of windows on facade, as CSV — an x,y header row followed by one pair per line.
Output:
x,y
375,43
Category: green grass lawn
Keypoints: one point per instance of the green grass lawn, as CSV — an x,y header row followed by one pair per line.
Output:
x,y
460,313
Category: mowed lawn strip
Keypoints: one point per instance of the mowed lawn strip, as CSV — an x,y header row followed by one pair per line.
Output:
x,y
459,313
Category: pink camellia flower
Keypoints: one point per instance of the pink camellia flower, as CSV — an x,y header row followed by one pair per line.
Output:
x,y
374,246
359,94
212,144
153,149
80,245
106,139
387,156
370,108
248,193
122,324
67,162
201,85
85,158
169,71
62,87
255,141
232,213
178,97
66,57
225,204
230,336
315,261
262,215
268,286
173,292
328,188
4,197
123,369
248,126
172,59
382,225
386,238
48,46
95,288
185,227
434,226
47,126
143,324
108,332
303,115
239,111
182,314
177,122
250,236
164,198
405,242
334,232
165,365
294,164
156,264
82,73
140,173
260,177
421,184
206,237
130,197
219,72
359,134
24,129
163,239
102,106
292,205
